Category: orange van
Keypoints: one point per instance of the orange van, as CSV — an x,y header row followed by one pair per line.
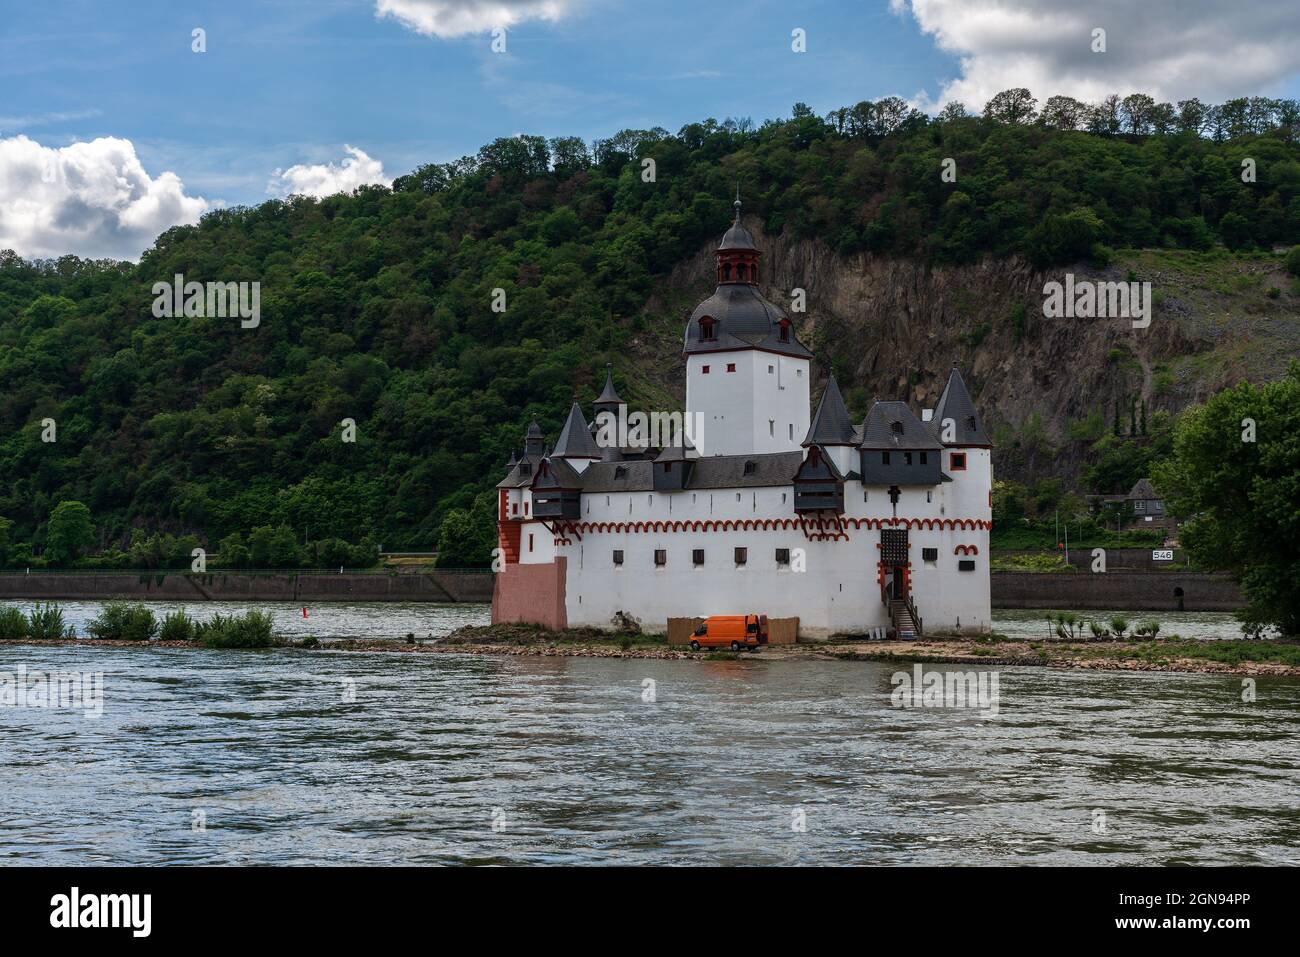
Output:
x,y
733,631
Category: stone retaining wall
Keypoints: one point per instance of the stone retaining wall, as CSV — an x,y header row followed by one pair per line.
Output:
x,y
1126,591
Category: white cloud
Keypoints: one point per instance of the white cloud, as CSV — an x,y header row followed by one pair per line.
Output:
x,y
1171,49
92,199
326,179
455,18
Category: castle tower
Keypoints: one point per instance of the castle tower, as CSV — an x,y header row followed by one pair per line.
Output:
x,y
967,455
608,404
747,387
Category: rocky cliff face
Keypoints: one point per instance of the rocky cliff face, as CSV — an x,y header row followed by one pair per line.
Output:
x,y
891,328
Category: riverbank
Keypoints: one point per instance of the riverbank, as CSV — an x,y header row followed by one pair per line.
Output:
x,y
299,587
1277,658
1174,589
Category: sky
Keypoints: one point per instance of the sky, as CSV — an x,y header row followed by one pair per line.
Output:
x,y
114,127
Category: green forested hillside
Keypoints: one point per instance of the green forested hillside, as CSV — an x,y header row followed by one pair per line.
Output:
x,y
378,306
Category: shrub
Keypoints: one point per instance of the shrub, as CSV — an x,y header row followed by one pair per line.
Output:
x,y
177,626
1119,625
13,624
120,621
251,630
1293,261
45,623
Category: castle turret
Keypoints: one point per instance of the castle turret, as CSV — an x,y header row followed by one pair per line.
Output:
x,y
832,429
967,448
575,443
607,407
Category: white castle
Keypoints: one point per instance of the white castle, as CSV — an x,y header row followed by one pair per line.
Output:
x,y
757,510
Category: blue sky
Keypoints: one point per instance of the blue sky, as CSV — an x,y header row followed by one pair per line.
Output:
x,y
287,83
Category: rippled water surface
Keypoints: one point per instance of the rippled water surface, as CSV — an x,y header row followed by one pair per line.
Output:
x,y
571,764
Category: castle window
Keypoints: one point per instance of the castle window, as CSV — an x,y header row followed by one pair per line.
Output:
x,y
929,554
1139,506
726,272
697,556
970,422
771,427
925,458
618,556
742,555
530,541
619,472
884,458
928,493
907,458
731,367
515,508
708,331
958,461
668,466
792,430
661,557
896,428
966,565
750,466
705,370
783,556
864,495
784,330
771,369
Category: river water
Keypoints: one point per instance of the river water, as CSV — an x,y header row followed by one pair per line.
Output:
x,y
287,756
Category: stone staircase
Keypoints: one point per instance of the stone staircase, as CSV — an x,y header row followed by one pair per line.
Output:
x,y
906,627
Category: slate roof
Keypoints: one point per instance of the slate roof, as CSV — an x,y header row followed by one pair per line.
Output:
x,y
576,441
1143,490
955,403
707,472
608,396
566,476
744,320
515,478
831,425
878,430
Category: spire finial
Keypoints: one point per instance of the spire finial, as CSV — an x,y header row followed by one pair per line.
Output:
x,y
737,202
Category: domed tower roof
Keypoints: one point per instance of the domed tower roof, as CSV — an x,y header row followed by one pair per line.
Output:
x,y
737,237
737,315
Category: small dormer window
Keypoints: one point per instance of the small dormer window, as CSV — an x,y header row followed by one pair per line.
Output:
x,y
784,330
525,468
620,472
970,422
896,428
749,467
708,329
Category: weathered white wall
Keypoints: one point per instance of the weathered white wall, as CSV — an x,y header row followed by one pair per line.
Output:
x,y
761,407
836,592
